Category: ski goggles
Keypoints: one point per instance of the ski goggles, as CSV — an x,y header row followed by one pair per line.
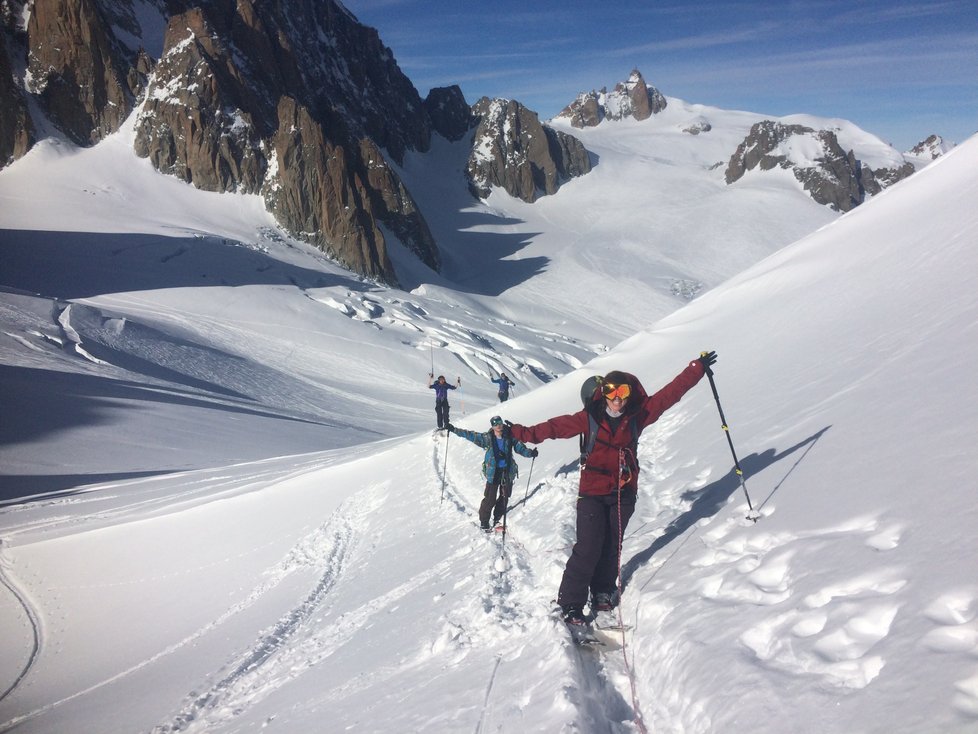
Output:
x,y
495,421
612,391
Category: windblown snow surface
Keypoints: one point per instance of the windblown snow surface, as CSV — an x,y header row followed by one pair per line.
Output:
x,y
224,508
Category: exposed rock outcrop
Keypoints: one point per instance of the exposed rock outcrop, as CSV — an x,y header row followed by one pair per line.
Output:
x,y
830,175
79,74
632,98
928,150
247,97
16,127
512,149
451,116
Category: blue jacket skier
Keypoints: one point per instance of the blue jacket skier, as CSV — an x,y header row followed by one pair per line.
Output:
x,y
504,384
498,467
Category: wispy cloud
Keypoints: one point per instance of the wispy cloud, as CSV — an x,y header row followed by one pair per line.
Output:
x,y
747,34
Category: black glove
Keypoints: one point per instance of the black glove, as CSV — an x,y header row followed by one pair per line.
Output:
x,y
450,428
534,453
708,359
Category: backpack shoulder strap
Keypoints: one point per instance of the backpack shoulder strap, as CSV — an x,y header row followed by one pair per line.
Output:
x,y
589,438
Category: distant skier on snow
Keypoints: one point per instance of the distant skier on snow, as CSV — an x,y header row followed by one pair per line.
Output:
x,y
504,384
498,467
619,409
441,389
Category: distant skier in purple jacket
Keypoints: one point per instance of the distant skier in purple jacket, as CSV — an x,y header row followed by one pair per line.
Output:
x,y
441,389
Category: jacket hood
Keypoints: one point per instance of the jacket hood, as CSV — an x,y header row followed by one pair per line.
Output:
x,y
618,377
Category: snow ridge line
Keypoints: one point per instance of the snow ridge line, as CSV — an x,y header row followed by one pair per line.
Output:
x,y
202,486
8,581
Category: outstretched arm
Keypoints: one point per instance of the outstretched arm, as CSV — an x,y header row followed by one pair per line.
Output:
x,y
522,448
563,426
659,402
476,437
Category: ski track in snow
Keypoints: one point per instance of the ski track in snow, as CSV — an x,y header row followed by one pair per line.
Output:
x,y
33,619
275,658
298,641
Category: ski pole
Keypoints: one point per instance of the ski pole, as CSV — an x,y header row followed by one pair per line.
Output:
x,y
506,514
528,475
444,471
751,515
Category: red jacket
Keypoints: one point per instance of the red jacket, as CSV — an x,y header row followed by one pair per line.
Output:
x,y
612,449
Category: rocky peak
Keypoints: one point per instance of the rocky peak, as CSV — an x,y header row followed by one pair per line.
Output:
x,y
930,149
451,117
632,98
513,150
300,103
828,173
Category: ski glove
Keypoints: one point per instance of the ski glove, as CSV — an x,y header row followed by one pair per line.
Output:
x,y
450,428
708,359
534,453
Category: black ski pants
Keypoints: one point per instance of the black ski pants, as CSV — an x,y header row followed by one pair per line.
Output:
x,y
496,498
441,413
593,563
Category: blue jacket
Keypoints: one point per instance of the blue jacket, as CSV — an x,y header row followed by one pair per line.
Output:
x,y
491,461
504,384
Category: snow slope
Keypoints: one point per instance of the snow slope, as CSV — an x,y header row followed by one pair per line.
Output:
x,y
343,584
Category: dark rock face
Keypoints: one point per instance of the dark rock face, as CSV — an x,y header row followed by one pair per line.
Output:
x,y
200,121
632,98
249,97
77,72
16,127
837,179
514,151
451,117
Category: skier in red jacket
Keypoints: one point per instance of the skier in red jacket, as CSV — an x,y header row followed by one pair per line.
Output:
x,y
621,409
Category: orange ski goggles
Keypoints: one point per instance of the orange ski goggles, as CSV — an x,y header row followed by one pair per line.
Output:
x,y
612,391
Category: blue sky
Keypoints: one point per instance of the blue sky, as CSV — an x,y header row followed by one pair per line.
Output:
x,y
901,70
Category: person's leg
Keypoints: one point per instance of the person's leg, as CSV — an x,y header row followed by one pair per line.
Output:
x,y
591,528
505,490
488,500
441,412
605,578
